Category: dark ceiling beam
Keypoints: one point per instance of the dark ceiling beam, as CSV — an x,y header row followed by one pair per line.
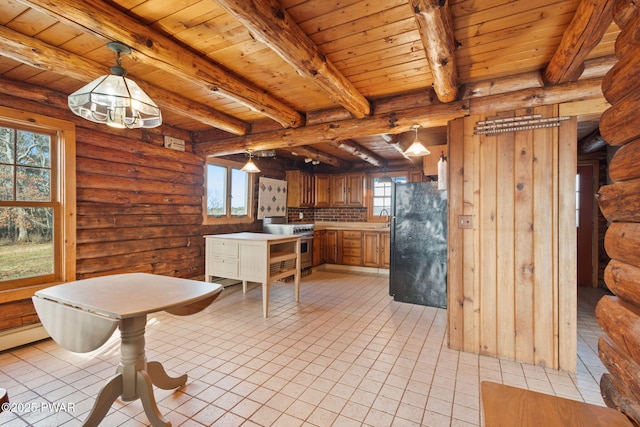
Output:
x,y
269,23
150,47
357,150
313,154
34,52
589,23
394,141
436,31
592,142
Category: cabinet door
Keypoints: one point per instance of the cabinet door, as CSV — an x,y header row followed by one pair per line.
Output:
x,y
323,191
331,248
339,190
319,248
385,252
300,189
355,190
371,249
308,190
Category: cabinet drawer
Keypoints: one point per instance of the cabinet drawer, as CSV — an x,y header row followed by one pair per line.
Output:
x,y
351,243
351,260
223,268
347,234
351,252
224,249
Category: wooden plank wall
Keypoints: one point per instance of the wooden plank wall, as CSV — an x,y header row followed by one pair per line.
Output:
x,y
619,315
512,275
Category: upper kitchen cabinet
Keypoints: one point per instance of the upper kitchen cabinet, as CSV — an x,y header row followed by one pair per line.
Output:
x,y
347,190
300,189
430,162
323,190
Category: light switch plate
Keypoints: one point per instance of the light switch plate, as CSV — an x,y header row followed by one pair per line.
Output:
x,y
465,221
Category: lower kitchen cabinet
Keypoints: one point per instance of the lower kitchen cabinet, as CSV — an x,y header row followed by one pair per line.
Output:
x,y
331,246
319,247
376,249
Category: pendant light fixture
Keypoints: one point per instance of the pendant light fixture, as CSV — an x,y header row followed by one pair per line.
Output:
x,y
116,100
416,148
250,167
385,179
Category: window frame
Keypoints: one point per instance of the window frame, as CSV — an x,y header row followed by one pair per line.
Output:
x,y
371,184
63,201
228,218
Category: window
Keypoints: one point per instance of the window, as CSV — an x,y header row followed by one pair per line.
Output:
x,y
381,195
37,203
229,193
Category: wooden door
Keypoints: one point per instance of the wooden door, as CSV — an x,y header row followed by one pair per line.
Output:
x,y
512,265
586,225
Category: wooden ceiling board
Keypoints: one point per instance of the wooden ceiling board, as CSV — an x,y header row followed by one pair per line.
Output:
x,y
187,18
10,10
304,10
500,13
384,26
152,11
359,15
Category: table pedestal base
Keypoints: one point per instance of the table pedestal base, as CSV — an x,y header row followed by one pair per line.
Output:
x,y
135,377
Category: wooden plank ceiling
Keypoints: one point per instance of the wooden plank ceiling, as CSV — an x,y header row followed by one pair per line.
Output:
x,y
341,81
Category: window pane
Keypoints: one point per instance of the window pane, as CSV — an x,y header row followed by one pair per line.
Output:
x,y
33,149
26,242
33,184
6,182
216,190
239,192
7,145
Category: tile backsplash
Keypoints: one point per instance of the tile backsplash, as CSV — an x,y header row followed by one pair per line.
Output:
x,y
356,214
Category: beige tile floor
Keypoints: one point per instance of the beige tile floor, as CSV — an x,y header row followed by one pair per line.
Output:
x,y
346,355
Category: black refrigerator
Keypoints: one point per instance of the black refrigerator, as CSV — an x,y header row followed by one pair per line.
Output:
x,y
418,269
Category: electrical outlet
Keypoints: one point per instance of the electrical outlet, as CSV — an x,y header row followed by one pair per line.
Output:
x,y
465,221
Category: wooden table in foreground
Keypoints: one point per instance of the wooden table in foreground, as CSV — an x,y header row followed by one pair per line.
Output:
x,y
82,315
506,406
254,257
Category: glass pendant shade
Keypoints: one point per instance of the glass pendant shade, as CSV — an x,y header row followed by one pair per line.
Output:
x,y
416,148
385,179
250,167
116,101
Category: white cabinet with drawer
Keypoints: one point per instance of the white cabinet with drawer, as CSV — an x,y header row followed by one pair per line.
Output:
x,y
253,257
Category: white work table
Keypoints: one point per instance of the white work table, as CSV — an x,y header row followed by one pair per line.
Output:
x,y
254,257
82,315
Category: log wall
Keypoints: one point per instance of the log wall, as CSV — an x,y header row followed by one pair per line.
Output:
x,y
139,205
512,281
619,315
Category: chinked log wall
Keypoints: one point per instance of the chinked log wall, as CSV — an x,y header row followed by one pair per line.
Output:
x,y
139,205
619,315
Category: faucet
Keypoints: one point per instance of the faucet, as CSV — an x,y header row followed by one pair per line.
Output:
x,y
387,223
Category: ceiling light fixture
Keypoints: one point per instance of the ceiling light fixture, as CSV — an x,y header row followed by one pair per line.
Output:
x,y
250,167
385,179
416,148
116,100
